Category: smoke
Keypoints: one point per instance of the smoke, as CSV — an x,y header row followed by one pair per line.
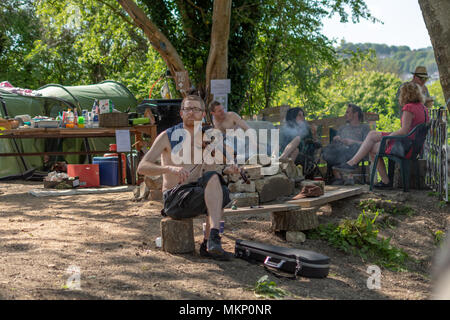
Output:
x,y
300,129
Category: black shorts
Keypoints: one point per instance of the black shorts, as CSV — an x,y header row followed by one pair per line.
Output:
x,y
188,200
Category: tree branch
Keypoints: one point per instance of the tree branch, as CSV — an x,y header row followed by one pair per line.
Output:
x,y
157,39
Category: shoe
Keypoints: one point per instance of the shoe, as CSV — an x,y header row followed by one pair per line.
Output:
x,y
214,247
345,167
204,250
381,185
337,182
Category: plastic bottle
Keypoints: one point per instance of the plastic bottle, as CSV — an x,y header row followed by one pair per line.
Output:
x,y
81,122
95,121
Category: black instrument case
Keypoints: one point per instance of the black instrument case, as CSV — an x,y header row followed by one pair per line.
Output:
x,y
290,260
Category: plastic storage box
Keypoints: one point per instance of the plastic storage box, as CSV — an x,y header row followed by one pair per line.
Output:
x,y
109,170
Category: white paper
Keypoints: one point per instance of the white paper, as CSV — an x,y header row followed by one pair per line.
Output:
x,y
123,140
222,86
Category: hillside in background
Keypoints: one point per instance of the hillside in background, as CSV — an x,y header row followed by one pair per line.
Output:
x,y
400,60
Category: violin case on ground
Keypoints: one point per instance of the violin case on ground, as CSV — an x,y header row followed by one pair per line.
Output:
x,y
288,260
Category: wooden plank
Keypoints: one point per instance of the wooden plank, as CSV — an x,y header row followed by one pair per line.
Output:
x,y
263,209
332,193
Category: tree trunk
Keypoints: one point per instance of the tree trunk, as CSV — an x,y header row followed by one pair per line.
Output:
x,y
435,14
157,39
217,65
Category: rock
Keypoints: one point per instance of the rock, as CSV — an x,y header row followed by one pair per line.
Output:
x,y
325,210
142,192
253,171
295,220
298,182
244,199
291,170
271,170
155,195
295,236
261,159
272,187
154,182
177,235
240,186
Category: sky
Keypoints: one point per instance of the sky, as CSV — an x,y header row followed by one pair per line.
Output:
x,y
403,25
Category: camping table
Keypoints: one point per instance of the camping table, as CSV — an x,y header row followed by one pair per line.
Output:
x,y
51,133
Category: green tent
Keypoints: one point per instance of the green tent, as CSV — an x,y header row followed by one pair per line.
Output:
x,y
55,98
83,96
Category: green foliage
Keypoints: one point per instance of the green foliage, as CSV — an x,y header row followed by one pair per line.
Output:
x,y
360,237
268,289
439,237
385,207
19,28
435,90
291,51
77,42
400,60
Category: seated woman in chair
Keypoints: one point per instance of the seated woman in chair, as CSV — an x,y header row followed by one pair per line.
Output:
x,y
414,113
296,137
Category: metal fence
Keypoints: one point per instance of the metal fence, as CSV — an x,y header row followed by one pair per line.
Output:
x,y
435,152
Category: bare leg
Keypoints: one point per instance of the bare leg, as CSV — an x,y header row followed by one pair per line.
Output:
x,y
290,148
213,201
372,139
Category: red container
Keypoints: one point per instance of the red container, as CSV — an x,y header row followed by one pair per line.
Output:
x,y
88,173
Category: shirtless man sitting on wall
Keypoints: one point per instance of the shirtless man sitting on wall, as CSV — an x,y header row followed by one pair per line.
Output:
x,y
226,120
190,189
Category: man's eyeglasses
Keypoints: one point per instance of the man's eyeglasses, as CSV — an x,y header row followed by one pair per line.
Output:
x,y
195,110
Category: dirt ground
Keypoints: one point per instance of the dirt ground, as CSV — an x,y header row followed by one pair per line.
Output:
x,y
110,240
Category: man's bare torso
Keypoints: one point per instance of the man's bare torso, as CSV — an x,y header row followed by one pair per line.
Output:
x,y
196,170
230,122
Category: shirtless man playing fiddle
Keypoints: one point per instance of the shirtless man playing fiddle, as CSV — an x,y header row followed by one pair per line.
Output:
x,y
190,189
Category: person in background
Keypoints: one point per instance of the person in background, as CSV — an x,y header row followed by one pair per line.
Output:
x,y
294,135
224,120
347,141
420,77
414,113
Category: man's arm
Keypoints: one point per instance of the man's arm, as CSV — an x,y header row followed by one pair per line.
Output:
x,y
148,166
240,122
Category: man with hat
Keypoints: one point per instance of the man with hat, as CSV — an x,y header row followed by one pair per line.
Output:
x,y
420,76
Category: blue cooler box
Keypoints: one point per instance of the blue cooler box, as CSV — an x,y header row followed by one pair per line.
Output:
x,y
109,170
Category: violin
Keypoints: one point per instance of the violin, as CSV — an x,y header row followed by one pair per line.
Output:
x,y
242,173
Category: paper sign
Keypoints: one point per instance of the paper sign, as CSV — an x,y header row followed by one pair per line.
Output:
x,y
123,140
222,86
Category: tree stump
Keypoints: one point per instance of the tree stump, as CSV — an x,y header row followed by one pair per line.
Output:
x,y
295,220
177,235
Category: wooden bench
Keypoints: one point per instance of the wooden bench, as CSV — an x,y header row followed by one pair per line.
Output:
x,y
276,116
